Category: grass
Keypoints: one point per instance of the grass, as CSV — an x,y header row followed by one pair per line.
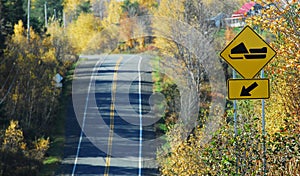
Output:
x,y
51,160
221,32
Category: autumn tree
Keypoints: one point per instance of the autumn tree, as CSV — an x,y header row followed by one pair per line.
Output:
x,y
76,6
169,32
19,156
130,25
226,7
114,11
72,9
64,51
124,15
13,138
29,68
192,15
227,154
82,30
99,7
280,23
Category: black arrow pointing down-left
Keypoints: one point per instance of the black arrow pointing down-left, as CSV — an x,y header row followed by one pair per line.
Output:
x,y
246,91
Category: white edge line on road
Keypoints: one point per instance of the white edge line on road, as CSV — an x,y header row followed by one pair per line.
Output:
x,y
84,115
140,115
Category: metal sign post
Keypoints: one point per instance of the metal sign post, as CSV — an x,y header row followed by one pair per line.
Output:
x,y
235,128
247,54
263,130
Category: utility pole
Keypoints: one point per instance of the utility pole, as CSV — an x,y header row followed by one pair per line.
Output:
x,y
28,21
64,18
46,18
55,16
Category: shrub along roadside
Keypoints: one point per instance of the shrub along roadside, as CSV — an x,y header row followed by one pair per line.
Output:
x,y
55,154
31,105
218,157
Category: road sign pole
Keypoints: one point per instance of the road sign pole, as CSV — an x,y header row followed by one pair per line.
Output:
x,y
247,54
263,130
235,127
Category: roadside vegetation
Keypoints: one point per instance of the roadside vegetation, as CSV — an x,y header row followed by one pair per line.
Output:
x,y
32,108
226,154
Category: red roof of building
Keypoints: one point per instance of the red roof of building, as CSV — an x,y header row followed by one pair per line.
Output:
x,y
244,9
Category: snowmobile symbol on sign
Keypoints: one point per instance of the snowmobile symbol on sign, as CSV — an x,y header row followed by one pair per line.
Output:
x,y
240,51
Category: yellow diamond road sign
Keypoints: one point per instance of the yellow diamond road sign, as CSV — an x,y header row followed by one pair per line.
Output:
x,y
248,89
248,53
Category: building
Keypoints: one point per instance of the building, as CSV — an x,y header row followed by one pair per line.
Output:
x,y
238,17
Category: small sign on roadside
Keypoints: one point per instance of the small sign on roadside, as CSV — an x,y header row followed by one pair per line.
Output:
x,y
58,78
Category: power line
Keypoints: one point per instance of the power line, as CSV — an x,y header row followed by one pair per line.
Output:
x,y
9,89
8,76
2,61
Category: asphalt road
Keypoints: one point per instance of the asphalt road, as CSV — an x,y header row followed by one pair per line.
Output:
x,y
110,118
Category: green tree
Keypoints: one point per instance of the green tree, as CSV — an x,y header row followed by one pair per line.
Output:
x,y
2,37
131,9
73,8
11,11
37,12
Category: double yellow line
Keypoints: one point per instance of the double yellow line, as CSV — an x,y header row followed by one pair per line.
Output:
x,y
112,115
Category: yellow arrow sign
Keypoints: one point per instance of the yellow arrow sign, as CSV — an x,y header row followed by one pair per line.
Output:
x,y
248,89
248,53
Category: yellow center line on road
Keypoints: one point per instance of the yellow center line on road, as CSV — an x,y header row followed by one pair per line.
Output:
x,y
112,114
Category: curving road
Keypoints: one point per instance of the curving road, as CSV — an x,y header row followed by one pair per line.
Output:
x,y
110,118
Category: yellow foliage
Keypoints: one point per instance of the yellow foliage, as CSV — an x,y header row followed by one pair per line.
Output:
x,y
55,30
14,141
42,144
183,156
114,11
71,5
19,33
13,137
18,29
229,35
148,4
49,56
81,31
281,23
15,97
214,2
171,8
